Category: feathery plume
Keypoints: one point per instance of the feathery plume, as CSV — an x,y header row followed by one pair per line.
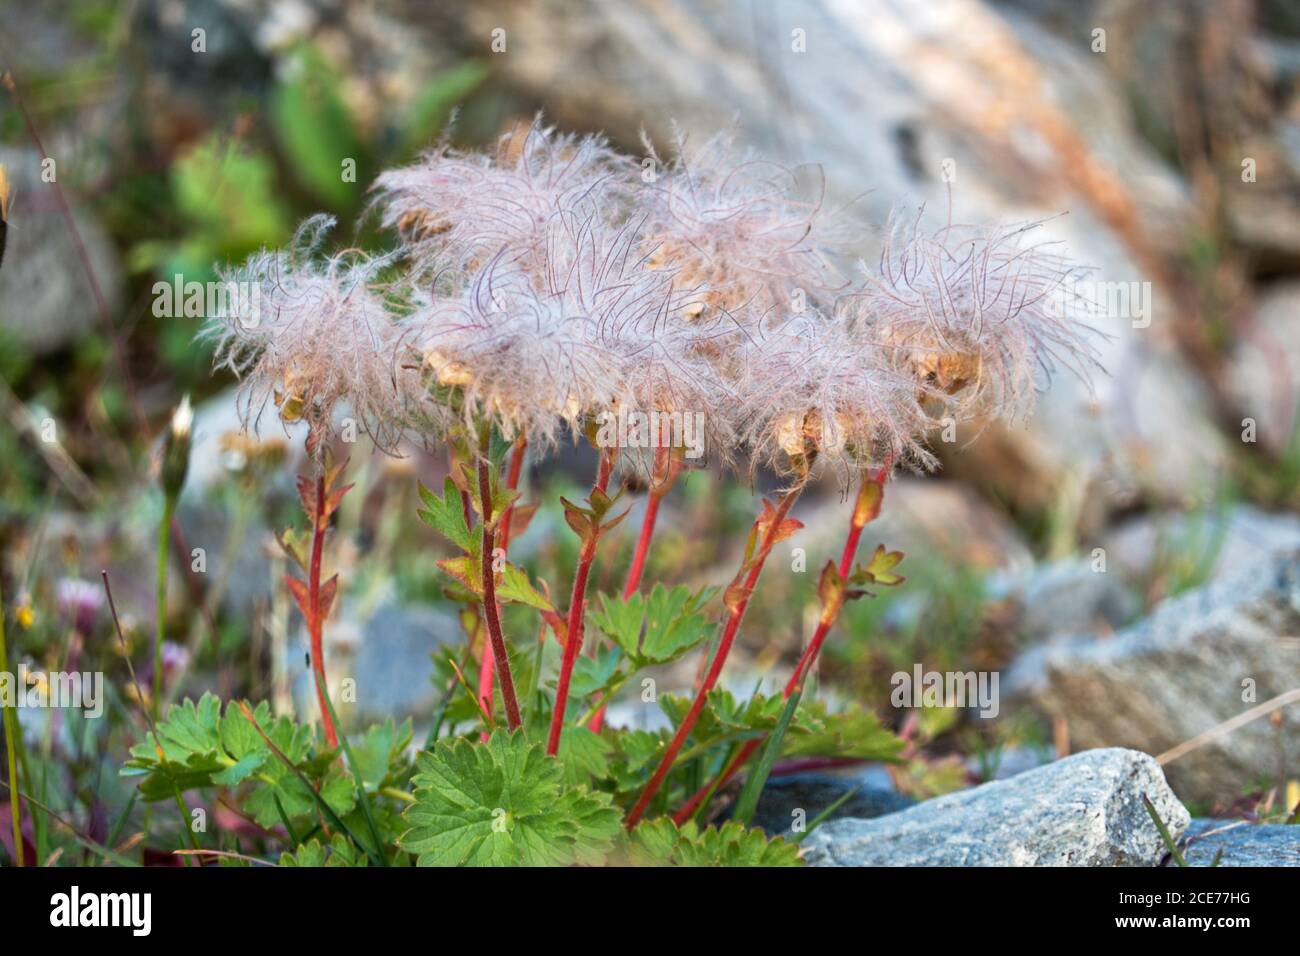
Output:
x,y
980,316
457,210
539,352
310,333
737,228
817,393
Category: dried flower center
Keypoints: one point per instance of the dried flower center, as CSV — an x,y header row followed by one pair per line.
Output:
x,y
950,371
448,370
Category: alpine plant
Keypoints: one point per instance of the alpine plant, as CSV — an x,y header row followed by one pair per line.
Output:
x,y
537,293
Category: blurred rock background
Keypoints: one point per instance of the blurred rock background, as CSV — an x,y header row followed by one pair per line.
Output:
x,y
1125,558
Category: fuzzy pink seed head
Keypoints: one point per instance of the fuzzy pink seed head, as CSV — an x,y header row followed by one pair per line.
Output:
x,y
975,315
320,339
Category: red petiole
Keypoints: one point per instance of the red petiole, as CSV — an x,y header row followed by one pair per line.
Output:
x,y
577,610
491,612
486,671
776,527
863,512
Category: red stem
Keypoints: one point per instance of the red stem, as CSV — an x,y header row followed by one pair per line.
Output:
x,y
856,523
661,481
719,659
577,608
642,545
512,482
490,612
486,671
315,625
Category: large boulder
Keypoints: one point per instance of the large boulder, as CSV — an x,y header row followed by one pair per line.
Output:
x,y
387,652
1085,810
1198,660
1181,547
941,521
1070,596
905,102
1265,366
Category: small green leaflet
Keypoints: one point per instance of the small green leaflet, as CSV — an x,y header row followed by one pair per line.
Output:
x,y
379,754
584,754
446,515
201,747
658,628
635,754
661,842
723,715
340,852
503,803
853,732
592,674
513,586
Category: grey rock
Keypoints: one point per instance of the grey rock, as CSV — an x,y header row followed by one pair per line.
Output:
x,y
1009,763
223,415
1183,671
940,520
1243,844
390,657
812,793
1217,543
1264,374
1084,810
46,300
237,559
867,109
1068,597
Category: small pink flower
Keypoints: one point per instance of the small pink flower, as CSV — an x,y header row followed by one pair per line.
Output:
x,y
80,601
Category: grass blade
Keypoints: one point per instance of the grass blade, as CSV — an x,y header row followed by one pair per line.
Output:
x,y
325,808
826,814
747,803
1164,832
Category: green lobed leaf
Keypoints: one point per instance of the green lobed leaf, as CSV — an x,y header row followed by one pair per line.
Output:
x,y
514,587
503,803
584,754
379,753
853,732
202,747
446,515
340,852
661,842
593,674
655,628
